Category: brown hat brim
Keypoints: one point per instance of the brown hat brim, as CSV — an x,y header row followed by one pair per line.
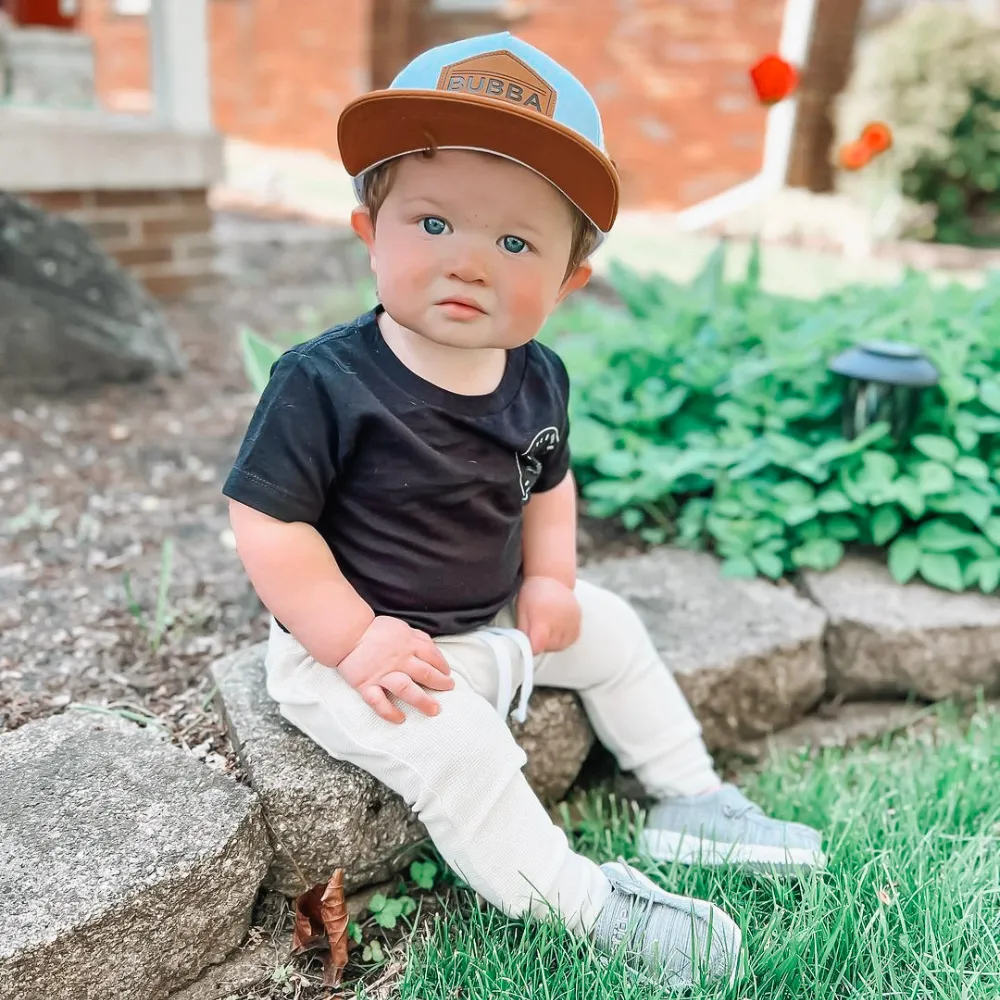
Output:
x,y
389,123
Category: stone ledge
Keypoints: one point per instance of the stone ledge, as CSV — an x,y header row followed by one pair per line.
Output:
x,y
887,640
836,728
126,865
85,151
251,965
747,654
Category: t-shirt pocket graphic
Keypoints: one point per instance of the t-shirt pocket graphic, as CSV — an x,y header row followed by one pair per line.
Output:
x,y
529,461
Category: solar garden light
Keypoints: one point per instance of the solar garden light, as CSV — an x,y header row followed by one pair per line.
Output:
x,y
884,382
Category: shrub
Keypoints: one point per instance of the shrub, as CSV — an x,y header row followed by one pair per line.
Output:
x,y
705,414
932,74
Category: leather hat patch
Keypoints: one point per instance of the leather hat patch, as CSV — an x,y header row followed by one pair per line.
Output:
x,y
502,76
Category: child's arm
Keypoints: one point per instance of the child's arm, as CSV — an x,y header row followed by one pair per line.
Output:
x,y
297,578
547,609
549,533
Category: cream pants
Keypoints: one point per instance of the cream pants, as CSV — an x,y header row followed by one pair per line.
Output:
x,y
460,771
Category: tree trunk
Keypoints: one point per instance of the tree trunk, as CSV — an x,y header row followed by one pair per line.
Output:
x,y
825,75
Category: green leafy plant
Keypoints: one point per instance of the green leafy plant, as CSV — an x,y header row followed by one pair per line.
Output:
x,y
259,353
387,911
705,414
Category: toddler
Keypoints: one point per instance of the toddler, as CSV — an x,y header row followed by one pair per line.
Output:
x,y
403,505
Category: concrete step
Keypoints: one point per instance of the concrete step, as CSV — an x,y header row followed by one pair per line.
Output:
x,y
126,866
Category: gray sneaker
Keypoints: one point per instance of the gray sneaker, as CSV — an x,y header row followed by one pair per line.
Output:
x,y
679,941
726,828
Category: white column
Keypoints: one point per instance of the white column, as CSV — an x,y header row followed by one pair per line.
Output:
x,y
179,43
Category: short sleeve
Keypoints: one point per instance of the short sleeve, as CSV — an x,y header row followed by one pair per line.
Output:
x,y
556,463
287,463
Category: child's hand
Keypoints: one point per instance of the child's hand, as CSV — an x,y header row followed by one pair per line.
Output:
x,y
548,613
393,657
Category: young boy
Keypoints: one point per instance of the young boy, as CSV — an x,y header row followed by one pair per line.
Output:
x,y
403,505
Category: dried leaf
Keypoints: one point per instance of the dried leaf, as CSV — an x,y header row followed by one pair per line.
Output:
x,y
309,931
321,918
335,920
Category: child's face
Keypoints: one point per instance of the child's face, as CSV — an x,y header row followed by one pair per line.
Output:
x,y
470,250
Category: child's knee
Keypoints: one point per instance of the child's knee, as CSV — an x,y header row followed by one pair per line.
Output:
x,y
605,612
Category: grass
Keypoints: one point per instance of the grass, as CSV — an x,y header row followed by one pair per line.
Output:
x,y
909,907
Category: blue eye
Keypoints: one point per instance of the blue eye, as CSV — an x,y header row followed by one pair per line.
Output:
x,y
433,226
514,244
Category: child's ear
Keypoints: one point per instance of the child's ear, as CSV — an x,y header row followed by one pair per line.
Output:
x,y
361,223
576,280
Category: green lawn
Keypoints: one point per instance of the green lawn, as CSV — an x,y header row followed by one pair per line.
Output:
x,y
909,907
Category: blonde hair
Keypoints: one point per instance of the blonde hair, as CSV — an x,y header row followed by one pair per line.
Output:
x,y
378,182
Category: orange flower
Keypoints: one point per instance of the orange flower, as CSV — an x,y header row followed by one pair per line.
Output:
x,y
855,155
877,137
774,79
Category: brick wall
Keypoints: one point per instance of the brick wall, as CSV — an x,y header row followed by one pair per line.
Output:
x,y
121,52
671,79
163,237
281,69
670,76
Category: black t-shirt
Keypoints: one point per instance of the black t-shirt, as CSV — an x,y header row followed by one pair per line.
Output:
x,y
419,492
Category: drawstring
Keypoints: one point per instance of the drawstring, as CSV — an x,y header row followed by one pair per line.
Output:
x,y
493,638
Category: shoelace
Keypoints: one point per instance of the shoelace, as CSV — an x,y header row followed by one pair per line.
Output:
x,y
494,640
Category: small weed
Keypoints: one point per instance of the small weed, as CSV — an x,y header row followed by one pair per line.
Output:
x,y
389,912
164,617
136,715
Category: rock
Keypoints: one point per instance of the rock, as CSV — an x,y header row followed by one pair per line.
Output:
x,y
837,728
747,654
244,968
890,640
322,814
69,315
557,737
326,814
126,866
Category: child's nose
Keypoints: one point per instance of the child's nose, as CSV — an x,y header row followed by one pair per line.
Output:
x,y
469,266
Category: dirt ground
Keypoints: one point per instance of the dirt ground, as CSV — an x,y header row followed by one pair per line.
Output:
x,y
94,484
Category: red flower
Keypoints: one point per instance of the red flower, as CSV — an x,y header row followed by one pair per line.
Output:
x,y
855,155
774,79
877,137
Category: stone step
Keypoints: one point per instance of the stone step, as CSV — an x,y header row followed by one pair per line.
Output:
x,y
325,814
888,640
126,865
837,727
747,654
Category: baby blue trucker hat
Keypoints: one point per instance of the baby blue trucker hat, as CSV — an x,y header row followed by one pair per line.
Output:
x,y
497,94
